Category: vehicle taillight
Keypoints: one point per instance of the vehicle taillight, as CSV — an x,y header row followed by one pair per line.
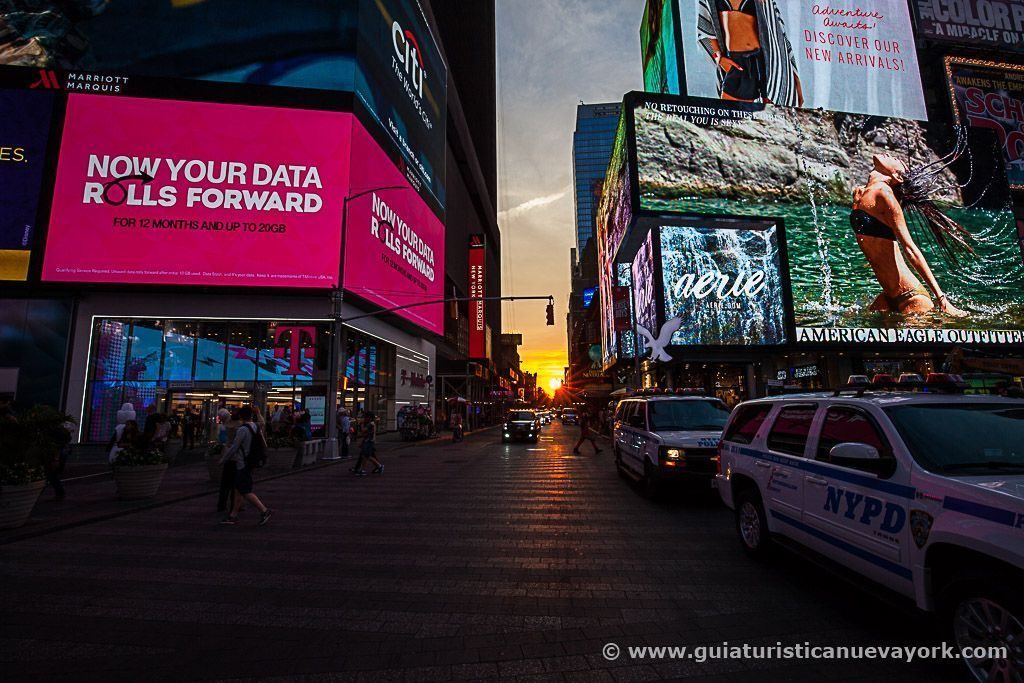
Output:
x,y
718,458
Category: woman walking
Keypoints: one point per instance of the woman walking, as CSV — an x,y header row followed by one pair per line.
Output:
x,y
368,449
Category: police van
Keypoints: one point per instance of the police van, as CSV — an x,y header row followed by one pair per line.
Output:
x,y
920,492
660,438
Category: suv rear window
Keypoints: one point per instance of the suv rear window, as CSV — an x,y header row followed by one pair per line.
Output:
x,y
789,433
747,422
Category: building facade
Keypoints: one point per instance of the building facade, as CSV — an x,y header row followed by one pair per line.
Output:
x,y
727,257
591,148
593,140
198,318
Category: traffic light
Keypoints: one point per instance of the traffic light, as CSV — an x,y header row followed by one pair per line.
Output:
x,y
551,313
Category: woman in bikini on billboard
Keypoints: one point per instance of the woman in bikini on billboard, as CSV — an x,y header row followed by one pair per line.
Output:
x,y
748,43
880,225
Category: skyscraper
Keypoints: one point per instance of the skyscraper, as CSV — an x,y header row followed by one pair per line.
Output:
x,y
591,147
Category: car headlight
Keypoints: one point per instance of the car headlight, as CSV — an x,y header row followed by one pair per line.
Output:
x,y
674,453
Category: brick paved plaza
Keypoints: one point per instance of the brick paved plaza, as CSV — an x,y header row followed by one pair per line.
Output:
x,y
474,561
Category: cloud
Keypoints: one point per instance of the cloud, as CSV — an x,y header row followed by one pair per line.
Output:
x,y
531,204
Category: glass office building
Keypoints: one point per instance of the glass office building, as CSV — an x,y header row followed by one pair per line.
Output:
x,y
591,148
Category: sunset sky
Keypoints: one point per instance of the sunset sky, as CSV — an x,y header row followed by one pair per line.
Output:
x,y
551,55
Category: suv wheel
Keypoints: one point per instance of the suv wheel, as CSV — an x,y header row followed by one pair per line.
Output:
x,y
987,615
751,524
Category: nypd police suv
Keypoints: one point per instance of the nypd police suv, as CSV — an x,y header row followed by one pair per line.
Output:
x,y
920,492
660,438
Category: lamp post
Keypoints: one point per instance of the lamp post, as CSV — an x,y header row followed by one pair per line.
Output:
x,y
339,336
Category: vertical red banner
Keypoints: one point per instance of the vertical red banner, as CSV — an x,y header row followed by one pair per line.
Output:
x,y
477,317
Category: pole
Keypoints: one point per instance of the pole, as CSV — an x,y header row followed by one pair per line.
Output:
x,y
337,359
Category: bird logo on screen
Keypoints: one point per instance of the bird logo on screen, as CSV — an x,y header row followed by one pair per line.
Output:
x,y
658,346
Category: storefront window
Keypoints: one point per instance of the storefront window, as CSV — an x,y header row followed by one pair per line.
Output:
x,y
179,349
147,339
174,364
211,352
104,402
243,349
111,349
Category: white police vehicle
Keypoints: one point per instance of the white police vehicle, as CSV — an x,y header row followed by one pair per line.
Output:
x,y
920,492
661,438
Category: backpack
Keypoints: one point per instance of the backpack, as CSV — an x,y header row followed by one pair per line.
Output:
x,y
257,455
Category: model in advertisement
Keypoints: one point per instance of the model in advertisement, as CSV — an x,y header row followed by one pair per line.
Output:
x,y
747,41
880,225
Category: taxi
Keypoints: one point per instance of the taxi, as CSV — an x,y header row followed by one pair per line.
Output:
x,y
922,493
664,437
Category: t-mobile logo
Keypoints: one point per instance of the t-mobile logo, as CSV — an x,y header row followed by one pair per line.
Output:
x,y
293,348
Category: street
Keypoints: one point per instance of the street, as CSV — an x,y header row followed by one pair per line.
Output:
x,y
468,561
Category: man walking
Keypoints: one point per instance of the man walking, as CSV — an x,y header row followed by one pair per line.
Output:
x,y
236,454
344,425
586,432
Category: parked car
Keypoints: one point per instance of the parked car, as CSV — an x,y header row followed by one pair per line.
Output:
x,y
858,381
662,438
522,425
922,493
570,417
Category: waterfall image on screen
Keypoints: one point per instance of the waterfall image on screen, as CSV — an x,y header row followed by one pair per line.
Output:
x,y
725,284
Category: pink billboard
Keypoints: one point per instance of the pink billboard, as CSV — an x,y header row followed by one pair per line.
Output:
x,y
189,193
395,244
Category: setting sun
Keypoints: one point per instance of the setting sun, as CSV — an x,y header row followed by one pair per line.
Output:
x,y
554,383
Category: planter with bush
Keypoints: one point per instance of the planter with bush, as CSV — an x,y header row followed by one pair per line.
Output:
x,y
283,452
29,444
138,473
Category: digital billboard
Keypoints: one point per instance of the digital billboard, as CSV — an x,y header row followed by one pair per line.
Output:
x,y
613,215
997,24
241,195
847,55
477,290
939,264
403,81
394,248
990,95
645,303
24,132
723,286
659,46
292,43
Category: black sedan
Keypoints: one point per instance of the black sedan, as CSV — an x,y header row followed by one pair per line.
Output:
x,y
521,424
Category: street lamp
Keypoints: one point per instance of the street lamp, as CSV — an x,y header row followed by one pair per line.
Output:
x,y
339,337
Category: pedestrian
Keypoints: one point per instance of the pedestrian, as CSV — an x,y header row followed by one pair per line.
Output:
x,y
344,426
306,422
55,468
456,426
368,449
586,432
162,432
259,420
237,454
188,428
223,417
275,420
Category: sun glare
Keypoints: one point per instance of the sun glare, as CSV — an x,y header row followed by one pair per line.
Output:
x,y
554,383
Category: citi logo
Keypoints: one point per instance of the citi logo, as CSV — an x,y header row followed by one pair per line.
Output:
x,y
47,80
409,55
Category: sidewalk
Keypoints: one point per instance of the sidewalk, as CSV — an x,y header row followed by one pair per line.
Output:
x,y
91,494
